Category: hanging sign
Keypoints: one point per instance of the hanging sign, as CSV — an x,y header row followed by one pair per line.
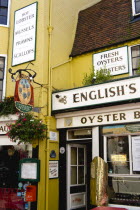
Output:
x,y
24,34
24,97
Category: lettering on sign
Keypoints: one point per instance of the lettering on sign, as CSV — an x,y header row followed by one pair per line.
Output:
x,y
115,61
3,129
24,34
103,119
111,92
106,93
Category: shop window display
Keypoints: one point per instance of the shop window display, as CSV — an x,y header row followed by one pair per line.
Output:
x,y
11,190
121,152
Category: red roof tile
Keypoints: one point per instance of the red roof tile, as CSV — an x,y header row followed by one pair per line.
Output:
x,y
104,24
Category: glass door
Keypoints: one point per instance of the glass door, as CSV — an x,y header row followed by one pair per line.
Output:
x,y
76,177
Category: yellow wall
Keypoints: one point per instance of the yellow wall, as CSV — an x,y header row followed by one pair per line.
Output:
x,y
4,33
83,64
52,55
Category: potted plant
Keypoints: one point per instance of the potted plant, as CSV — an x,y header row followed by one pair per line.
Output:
x,y
96,77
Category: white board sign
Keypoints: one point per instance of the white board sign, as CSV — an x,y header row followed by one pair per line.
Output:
x,y
29,170
53,169
111,92
24,34
116,60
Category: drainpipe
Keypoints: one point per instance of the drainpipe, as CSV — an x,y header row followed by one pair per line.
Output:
x,y
50,28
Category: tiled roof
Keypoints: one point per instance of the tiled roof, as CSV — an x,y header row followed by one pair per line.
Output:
x,y
105,24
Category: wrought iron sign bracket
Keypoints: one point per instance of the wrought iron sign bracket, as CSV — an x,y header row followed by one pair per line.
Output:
x,y
30,73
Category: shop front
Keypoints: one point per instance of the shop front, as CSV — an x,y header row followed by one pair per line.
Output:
x,y
12,191
109,131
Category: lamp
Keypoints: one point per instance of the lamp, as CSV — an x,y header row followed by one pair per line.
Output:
x,y
93,79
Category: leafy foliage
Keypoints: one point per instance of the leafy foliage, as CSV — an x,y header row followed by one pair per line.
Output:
x,y
26,129
99,76
7,106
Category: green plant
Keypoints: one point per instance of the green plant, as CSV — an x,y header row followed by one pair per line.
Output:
x,y
96,77
26,129
7,106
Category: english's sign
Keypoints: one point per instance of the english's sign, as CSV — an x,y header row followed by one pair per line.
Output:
x,y
111,92
115,61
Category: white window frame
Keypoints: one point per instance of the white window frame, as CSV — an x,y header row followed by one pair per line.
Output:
x,y
68,148
133,9
130,59
8,15
4,76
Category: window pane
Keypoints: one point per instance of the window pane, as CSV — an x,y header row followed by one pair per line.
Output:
x,y
1,67
0,95
3,20
135,51
73,175
124,190
1,83
1,74
4,3
3,12
73,156
137,6
118,155
2,59
136,63
81,175
80,156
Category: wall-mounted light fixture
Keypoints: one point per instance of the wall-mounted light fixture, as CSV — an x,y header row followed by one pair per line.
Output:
x,y
53,154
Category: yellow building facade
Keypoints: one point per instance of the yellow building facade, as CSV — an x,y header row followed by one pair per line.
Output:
x,y
54,31
99,124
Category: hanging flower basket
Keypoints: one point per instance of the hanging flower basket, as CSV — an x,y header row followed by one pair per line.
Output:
x,y
26,129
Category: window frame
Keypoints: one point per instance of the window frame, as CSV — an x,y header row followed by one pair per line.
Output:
x,y
8,15
131,174
131,72
133,8
4,75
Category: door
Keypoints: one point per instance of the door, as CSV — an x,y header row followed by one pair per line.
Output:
x,y
77,169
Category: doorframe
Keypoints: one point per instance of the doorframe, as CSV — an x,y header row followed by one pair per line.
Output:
x,y
68,158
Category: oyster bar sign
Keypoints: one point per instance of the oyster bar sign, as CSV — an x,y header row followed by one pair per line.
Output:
x,y
111,92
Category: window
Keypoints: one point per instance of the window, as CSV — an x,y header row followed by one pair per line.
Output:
x,y
136,7
3,12
2,67
135,54
121,152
